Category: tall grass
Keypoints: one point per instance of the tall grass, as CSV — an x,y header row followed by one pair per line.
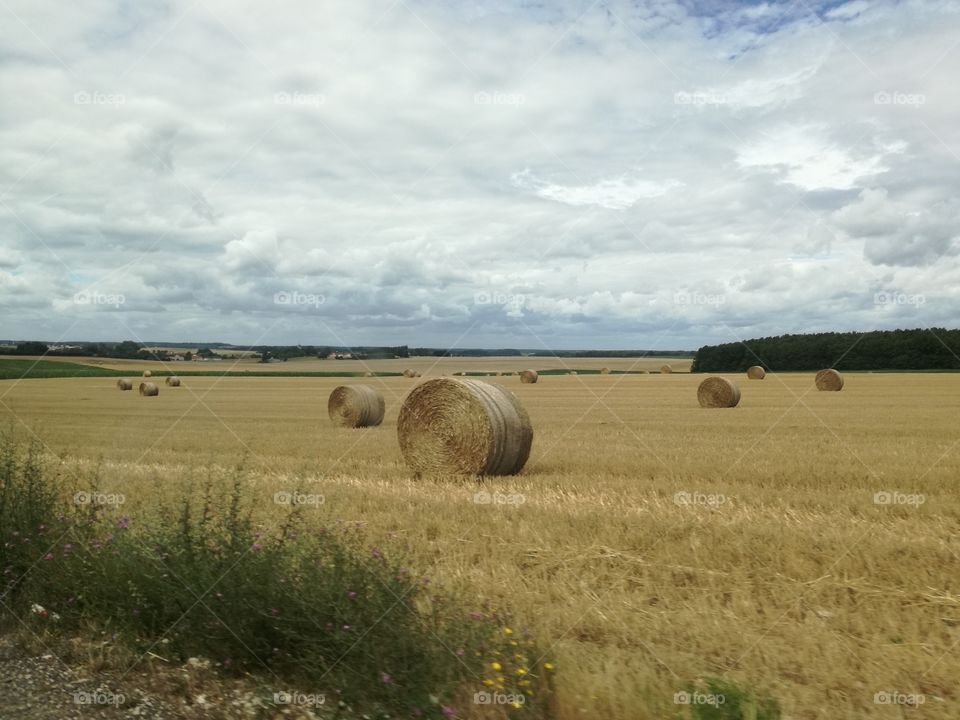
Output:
x,y
316,608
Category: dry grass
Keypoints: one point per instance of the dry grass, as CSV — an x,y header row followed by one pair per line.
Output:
x,y
777,568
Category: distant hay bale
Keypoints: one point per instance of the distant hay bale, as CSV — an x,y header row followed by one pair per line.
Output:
x,y
756,373
829,379
173,381
605,371
529,376
148,389
409,373
665,369
572,372
463,427
147,373
356,406
368,374
718,392
124,384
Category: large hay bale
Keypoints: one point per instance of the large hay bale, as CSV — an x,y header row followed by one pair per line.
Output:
x,y
718,392
756,373
409,373
829,379
173,381
665,369
356,406
124,384
147,373
148,389
464,427
368,374
529,376
605,371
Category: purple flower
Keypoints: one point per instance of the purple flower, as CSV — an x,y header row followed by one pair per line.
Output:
x,y
448,711
351,594
474,615
123,523
385,677
256,546
274,611
377,555
68,548
48,556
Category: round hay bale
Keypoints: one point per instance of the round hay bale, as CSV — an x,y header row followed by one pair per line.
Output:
x,y
148,389
718,392
173,381
756,373
529,376
124,384
356,406
572,372
409,373
147,373
665,369
605,371
368,374
463,427
829,379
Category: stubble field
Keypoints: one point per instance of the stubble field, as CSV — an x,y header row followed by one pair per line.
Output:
x,y
648,542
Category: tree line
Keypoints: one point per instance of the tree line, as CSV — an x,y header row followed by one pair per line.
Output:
x,y
917,349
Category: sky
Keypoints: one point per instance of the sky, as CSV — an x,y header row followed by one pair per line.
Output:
x,y
606,174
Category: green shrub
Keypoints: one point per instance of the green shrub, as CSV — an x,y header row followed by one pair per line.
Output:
x,y
314,608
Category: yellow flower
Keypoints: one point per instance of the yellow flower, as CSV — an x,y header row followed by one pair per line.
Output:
x,y
507,631
513,642
548,666
488,682
496,665
521,671
515,705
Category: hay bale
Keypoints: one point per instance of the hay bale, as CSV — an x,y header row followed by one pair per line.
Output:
x,y
409,373
147,373
124,384
173,381
368,374
529,376
829,379
718,392
356,406
148,389
605,371
572,372
463,427
665,369
756,373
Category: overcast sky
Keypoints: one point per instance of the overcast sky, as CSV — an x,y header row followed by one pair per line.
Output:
x,y
476,174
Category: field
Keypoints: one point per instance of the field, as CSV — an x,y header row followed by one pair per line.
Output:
x,y
648,542
424,365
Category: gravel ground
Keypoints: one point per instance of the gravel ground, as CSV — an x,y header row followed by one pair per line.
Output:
x,y
41,687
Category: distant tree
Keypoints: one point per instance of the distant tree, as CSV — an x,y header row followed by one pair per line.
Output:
x,y
31,347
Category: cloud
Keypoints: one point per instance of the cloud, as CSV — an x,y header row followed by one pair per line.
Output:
x,y
608,162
